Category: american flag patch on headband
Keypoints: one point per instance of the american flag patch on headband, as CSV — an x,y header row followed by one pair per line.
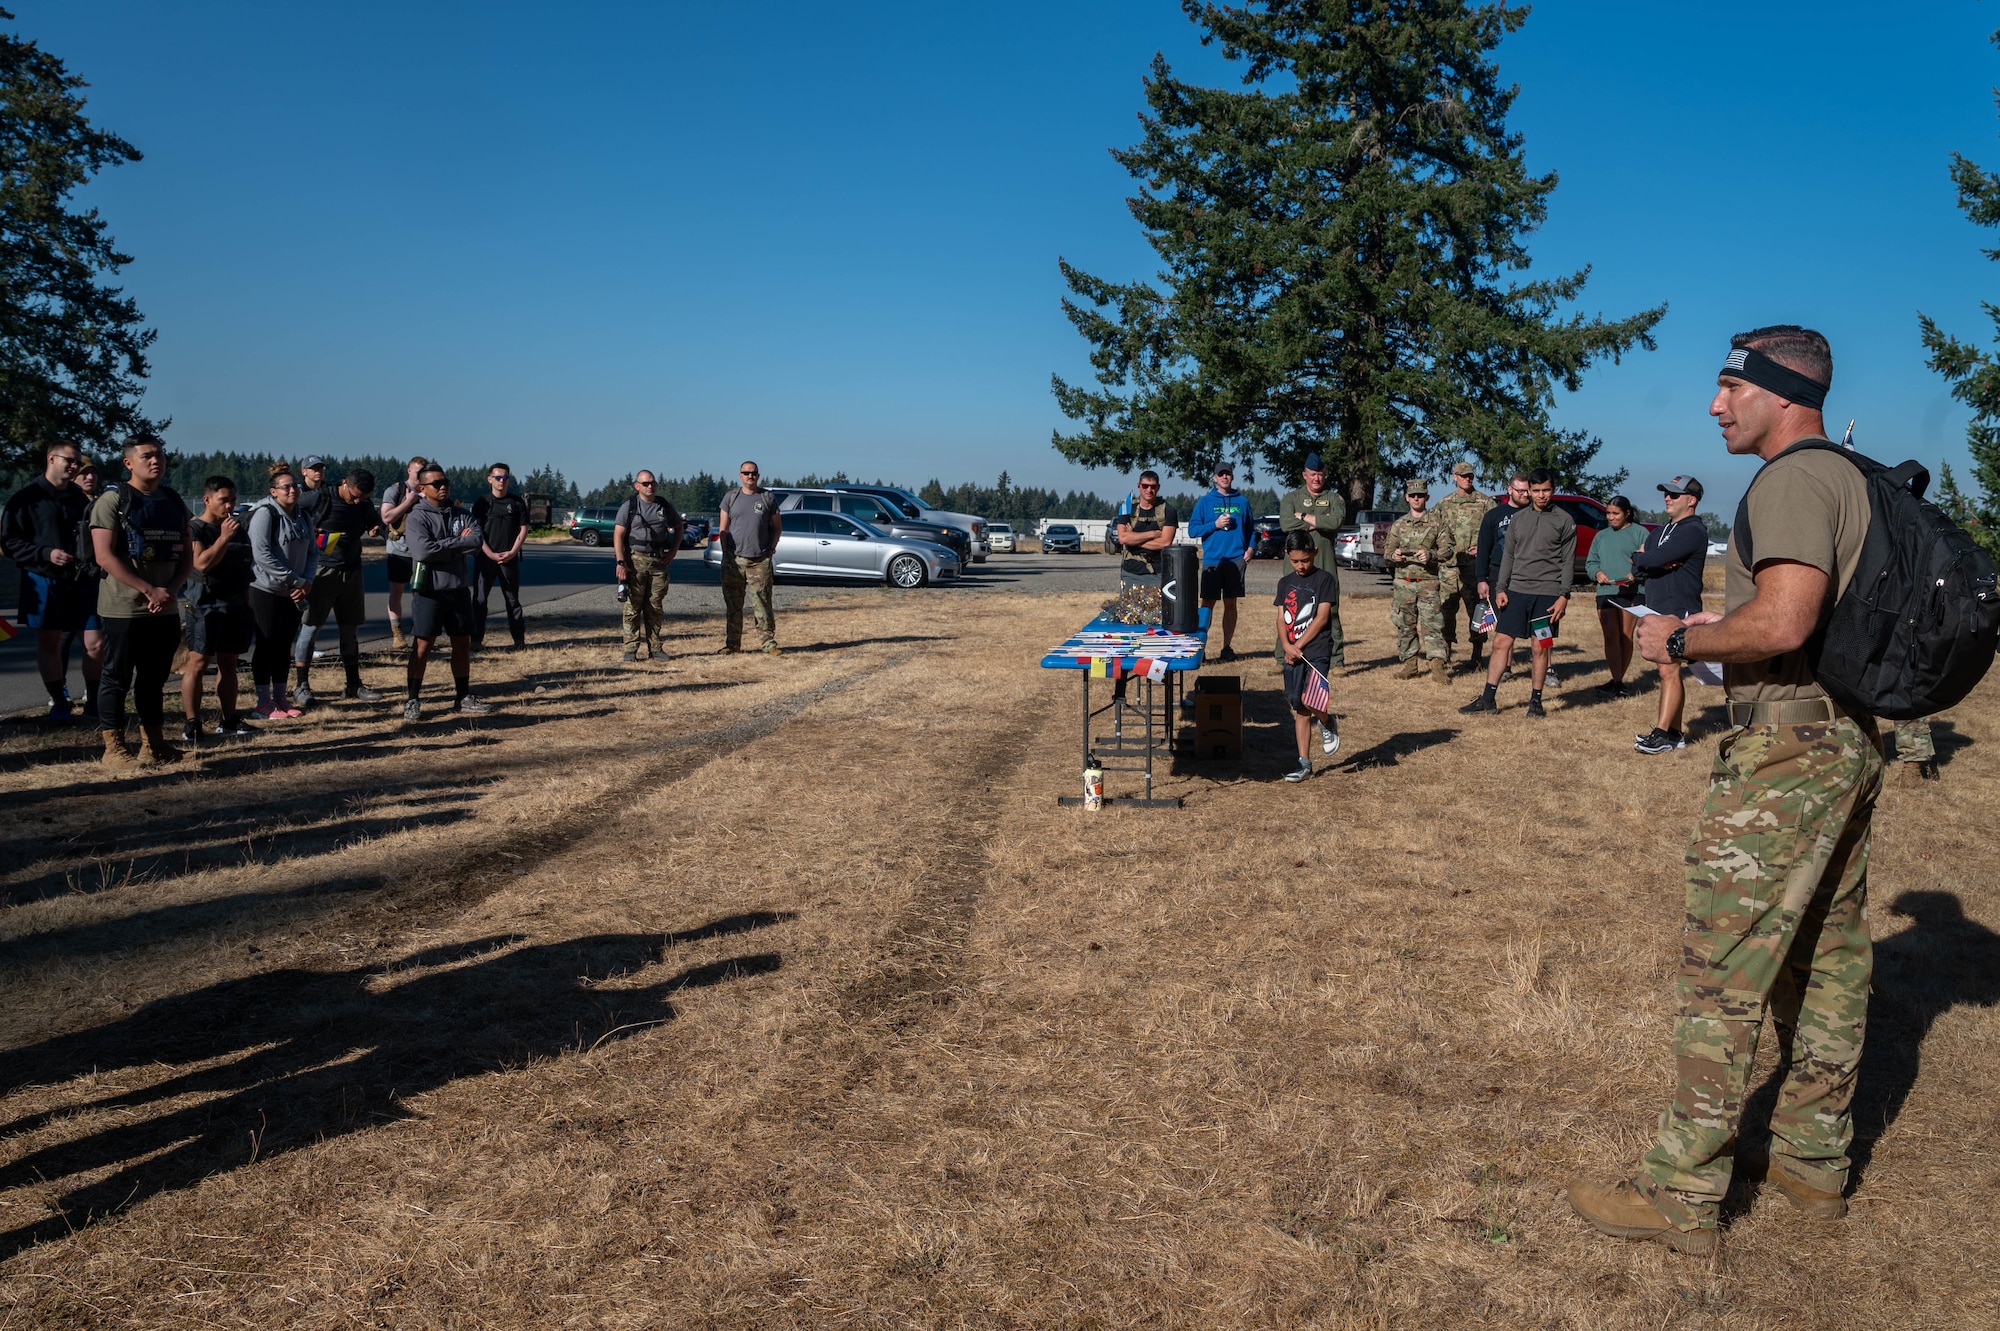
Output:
x,y
1736,359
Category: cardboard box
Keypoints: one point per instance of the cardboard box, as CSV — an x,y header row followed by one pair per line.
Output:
x,y
1218,716
1225,742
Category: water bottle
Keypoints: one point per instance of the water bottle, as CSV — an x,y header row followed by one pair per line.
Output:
x,y
1093,785
623,592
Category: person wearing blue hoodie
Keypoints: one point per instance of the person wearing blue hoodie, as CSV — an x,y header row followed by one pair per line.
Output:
x,y
1222,523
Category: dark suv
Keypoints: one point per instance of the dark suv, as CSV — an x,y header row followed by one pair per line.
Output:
x,y
877,512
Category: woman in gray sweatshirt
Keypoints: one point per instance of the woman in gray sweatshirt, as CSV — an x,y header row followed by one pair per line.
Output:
x,y
284,555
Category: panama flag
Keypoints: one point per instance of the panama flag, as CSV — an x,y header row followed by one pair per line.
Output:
x,y
1156,670
1315,695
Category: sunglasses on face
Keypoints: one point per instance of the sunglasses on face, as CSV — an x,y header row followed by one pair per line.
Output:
x,y
284,486
1147,485
437,485
646,485
747,473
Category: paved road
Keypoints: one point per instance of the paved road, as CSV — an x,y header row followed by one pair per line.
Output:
x,y
555,572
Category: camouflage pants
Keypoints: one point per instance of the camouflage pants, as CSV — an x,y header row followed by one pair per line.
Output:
x,y
1777,890
1913,741
645,599
1419,618
751,576
1458,588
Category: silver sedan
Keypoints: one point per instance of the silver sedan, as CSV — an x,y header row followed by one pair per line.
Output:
x,y
833,545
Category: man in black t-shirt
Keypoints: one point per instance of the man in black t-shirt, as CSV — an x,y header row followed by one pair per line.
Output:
x,y
1305,601
215,609
348,515
502,518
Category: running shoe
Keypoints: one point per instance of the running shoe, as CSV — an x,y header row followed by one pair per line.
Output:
x,y
1302,772
232,725
302,697
1661,741
1506,673
362,693
1480,704
1226,654
1612,689
471,706
412,712
1329,735
1535,708
191,731
62,712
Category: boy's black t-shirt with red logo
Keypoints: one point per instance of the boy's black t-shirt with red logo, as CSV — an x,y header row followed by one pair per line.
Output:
x,y
1300,599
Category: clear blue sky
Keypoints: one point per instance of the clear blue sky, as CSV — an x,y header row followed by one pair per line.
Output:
x,y
619,235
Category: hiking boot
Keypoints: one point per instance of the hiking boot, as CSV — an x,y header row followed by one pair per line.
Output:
x,y
1811,1199
1535,708
362,693
1480,704
396,638
411,712
731,648
1440,671
153,747
1303,772
1411,669
772,649
1622,1211
1329,735
631,655
471,706
116,753
1661,741
1927,770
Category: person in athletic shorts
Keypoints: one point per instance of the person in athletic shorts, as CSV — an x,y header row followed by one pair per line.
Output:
x,y
1305,610
440,535
38,531
284,551
1530,589
397,503
1221,521
215,609
349,515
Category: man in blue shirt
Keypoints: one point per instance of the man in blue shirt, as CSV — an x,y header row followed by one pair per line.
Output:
x,y
1221,522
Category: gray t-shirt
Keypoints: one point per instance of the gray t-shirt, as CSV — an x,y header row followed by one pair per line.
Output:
x,y
649,525
751,517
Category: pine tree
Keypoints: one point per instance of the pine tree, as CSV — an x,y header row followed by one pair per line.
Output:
x,y
72,352
1336,239
1974,375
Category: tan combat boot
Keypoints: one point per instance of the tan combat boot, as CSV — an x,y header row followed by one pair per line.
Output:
x,y
1622,1211
1412,668
1440,671
396,638
117,755
1811,1199
153,747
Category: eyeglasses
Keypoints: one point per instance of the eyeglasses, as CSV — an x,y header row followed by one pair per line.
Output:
x,y
71,462
1148,485
644,485
748,471
284,486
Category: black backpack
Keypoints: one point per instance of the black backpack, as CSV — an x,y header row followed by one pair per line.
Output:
x,y
1915,629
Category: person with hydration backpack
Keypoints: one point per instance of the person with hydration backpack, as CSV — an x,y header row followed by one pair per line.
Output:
x,y
137,544
1777,878
284,550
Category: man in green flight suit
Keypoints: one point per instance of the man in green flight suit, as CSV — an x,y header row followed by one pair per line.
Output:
x,y
1458,585
1315,508
1420,544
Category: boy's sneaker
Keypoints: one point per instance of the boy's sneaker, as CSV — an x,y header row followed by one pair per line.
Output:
x,y
1661,741
190,731
412,712
471,706
1329,735
1226,654
1302,772
1480,704
1535,708
362,693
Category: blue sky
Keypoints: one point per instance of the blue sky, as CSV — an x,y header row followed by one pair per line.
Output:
x,y
608,236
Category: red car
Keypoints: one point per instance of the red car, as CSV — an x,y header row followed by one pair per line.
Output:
x,y
1590,517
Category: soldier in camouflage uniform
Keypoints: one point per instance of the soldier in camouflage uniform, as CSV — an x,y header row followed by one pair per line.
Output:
x,y
1315,507
1777,872
1420,544
1458,584
1916,753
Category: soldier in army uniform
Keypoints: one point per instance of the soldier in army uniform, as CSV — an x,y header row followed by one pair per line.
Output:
x,y
1315,508
1777,878
1420,544
1916,752
1458,584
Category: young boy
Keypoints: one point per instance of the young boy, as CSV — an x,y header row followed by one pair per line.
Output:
x,y
1305,608
215,608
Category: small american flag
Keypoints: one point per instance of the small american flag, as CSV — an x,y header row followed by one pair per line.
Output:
x,y
1315,695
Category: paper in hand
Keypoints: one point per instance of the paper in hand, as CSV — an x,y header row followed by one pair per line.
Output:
x,y
1637,611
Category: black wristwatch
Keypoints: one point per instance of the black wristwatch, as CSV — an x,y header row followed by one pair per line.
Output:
x,y
1677,642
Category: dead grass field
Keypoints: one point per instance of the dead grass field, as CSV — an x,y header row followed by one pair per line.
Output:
x,y
780,993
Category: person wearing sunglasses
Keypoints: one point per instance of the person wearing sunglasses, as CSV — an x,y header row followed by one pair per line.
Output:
x,y
139,533
441,536
645,536
502,517
1672,561
38,531
1146,530
749,530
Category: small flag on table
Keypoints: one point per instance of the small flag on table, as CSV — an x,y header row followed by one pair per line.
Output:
x,y
1097,670
1155,670
1315,695
7,630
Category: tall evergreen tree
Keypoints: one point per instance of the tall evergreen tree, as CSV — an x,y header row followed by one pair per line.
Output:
x,y
1336,240
1974,374
72,351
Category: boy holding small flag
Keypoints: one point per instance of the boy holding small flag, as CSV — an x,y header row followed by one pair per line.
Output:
x,y
1305,603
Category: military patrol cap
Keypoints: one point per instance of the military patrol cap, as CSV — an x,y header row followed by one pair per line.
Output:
x,y
1312,462
1465,469
1418,488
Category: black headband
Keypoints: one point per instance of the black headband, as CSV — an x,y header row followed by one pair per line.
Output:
x,y
1754,367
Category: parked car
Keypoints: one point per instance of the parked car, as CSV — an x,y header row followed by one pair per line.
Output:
x,y
1371,547
915,509
1062,538
1347,547
833,545
1267,538
592,526
1000,536
878,513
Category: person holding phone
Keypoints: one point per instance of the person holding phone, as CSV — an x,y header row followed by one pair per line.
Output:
x,y
215,609
441,536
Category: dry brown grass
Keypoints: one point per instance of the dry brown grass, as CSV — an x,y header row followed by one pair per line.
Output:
x,y
780,993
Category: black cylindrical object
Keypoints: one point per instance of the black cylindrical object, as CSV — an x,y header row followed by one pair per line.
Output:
x,y
1180,588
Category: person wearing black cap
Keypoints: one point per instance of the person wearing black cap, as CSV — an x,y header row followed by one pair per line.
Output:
x,y
315,500
1317,509
1672,562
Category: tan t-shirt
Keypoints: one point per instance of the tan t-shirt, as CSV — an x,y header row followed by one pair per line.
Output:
x,y
1809,508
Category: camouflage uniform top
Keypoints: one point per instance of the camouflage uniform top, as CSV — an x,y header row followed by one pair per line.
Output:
x,y
1462,512
1427,533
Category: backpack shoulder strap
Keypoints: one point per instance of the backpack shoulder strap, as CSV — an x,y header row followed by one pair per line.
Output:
x,y
1739,529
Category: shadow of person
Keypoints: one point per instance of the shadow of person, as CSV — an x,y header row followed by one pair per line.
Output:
x,y
291,1057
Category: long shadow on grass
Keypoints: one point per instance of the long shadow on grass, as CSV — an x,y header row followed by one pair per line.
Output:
x,y
313,1055
1394,749
1942,961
